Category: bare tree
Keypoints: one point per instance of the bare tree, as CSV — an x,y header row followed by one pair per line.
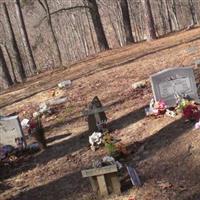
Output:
x,y
162,16
5,49
24,35
193,12
168,15
150,27
126,21
174,16
96,19
45,6
6,74
15,50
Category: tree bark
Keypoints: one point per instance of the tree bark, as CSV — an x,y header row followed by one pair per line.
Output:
x,y
164,25
15,50
96,19
48,14
193,13
5,48
91,32
150,28
168,15
6,74
126,21
174,15
24,35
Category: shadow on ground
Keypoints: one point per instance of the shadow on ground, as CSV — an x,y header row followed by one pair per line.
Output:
x,y
70,145
178,168
62,188
4,187
194,196
161,139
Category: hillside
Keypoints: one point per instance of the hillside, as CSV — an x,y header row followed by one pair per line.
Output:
x,y
165,151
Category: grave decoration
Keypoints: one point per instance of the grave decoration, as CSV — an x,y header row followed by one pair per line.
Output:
x,y
113,147
95,140
188,109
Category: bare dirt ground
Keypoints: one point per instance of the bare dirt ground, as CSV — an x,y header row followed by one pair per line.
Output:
x,y
165,151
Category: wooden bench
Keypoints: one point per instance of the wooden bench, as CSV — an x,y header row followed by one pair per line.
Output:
x,y
104,180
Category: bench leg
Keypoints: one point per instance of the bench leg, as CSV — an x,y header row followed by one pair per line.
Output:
x,y
102,185
94,183
116,186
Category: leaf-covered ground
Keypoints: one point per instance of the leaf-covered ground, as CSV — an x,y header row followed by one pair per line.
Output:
x,y
165,151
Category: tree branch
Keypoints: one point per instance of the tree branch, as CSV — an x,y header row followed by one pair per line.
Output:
x,y
43,6
61,10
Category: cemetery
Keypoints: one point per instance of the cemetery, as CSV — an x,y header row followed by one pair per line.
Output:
x,y
120,131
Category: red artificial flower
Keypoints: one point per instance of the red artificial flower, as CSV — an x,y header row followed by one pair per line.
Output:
x,y
191,112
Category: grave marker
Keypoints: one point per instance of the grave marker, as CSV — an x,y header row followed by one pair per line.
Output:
x,y
167,83
96,116
11,132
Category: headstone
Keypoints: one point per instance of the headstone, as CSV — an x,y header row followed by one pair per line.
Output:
x,y
11,132
170,82
96,116
197,74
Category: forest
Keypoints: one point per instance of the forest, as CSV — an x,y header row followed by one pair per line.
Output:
x,y
37,35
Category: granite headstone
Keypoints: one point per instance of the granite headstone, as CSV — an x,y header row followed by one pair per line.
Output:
x,y
11,132
170,82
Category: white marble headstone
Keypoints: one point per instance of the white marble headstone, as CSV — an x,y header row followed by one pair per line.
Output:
x,y
11,131
167,83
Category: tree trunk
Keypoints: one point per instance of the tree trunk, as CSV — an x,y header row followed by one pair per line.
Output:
x,y
150,29
126,21
174,15
15,50
96,19
168,15
164,25
5,48
193,13
91,32
46,8
6,73
25,36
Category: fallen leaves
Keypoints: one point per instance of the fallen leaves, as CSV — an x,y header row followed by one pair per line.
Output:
x,y
164,185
